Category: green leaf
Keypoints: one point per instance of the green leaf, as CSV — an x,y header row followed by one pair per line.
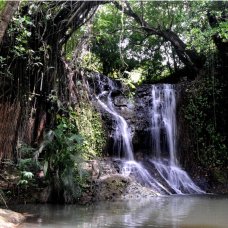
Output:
x,y
45,167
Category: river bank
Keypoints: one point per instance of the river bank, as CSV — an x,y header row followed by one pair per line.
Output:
x,y
104,183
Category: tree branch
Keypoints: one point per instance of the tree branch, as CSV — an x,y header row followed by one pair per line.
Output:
x,y
189,57
128,11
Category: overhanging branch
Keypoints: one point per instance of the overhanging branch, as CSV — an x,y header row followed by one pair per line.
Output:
x,y
189,57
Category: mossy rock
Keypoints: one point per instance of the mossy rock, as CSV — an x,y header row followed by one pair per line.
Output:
x,y
110,187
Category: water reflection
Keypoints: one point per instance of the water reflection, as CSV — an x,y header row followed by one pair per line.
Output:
x,y
159,212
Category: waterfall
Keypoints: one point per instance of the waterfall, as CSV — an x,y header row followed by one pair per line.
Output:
x,y
123,140
122,136
163,121
163,140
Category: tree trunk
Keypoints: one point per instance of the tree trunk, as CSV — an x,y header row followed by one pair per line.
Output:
x,y
221,45
189,57
6,15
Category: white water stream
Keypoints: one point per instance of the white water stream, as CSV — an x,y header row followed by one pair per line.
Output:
x,y
163,135
163,139
122,136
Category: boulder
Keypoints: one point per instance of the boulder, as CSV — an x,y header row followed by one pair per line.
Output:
x,y
110,187
10,218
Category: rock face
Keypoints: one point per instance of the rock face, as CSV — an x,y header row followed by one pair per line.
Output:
x,y
141,139
10,218
136,111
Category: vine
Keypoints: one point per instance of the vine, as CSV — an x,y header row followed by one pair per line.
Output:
x,y
203,112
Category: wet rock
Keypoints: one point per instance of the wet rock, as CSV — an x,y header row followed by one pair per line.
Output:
x,y
86,198
10,218
121,187
120,101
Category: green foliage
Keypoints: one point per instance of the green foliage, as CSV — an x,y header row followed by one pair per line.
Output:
x,y
62,144
73,42
65,150
106,29
222,30
25,179
18,33
119,46
202,113
19,30
2,4
78,136
198,31
90,127
26,165
25,158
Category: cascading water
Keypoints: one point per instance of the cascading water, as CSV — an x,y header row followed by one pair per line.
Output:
x,y
163,121
163,139
122,136
123,141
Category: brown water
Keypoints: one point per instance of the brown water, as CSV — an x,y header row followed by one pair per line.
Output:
x,y
159,212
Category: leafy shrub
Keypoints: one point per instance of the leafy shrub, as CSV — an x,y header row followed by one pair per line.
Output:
x,y
63,155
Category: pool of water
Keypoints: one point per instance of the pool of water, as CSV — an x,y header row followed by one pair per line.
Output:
x,y
159,212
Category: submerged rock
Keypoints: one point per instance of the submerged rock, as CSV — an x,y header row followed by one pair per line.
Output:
x,y
10,218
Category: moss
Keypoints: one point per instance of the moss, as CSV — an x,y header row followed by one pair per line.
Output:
x,y
90,127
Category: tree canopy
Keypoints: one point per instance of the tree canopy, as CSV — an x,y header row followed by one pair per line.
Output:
x,y
158,37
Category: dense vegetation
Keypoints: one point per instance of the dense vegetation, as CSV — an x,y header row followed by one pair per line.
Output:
x,y
136,37
46,45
